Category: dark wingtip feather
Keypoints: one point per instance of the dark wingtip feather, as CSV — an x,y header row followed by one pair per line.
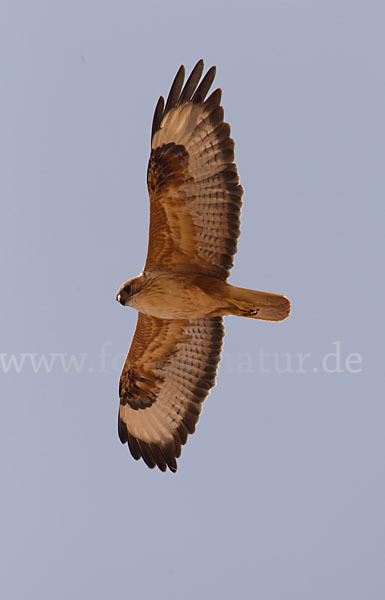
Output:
x,y
191,82
147,454
175,90
158,116
159,458
215,98
181,434
171,451
134,447
122,431
204,86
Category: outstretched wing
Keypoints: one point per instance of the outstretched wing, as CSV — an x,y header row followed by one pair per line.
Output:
x,y
169,371
195,197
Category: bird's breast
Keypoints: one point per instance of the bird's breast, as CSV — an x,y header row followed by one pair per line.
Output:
x,y
174,298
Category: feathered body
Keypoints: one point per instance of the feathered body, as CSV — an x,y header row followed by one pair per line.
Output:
x,y
185,296
182,294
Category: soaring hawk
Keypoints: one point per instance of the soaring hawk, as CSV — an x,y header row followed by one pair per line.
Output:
x,y
182,294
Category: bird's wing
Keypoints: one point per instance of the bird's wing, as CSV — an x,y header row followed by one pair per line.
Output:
x,y
169,371
193,183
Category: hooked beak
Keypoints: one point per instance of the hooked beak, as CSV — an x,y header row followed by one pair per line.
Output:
x,y
119,298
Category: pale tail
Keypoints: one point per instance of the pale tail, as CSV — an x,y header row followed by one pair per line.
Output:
x,y
257,305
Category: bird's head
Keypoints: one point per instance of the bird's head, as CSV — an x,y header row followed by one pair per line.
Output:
x,y
128,289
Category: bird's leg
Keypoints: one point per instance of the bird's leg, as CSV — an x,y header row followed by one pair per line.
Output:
x,y
245,309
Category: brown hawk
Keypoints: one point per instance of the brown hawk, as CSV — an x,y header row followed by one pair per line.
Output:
x,y
182,293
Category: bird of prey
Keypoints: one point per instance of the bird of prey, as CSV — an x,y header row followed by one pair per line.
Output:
x,y
182,294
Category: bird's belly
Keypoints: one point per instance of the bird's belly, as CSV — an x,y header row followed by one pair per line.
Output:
x,y
171,299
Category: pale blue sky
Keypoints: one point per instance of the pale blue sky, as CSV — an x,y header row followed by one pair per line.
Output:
x,y
280,493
